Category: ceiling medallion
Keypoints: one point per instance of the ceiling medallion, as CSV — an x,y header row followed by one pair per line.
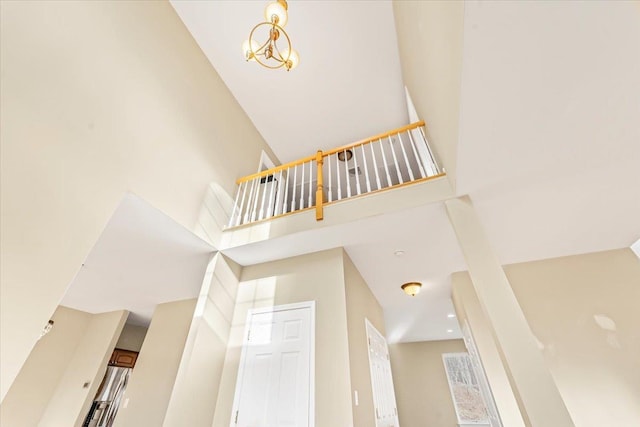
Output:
x,y
267,53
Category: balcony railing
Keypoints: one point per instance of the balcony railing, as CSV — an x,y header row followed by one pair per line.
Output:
x,y
392,159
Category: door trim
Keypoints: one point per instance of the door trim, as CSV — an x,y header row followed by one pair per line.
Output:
x,y
265,162
312,354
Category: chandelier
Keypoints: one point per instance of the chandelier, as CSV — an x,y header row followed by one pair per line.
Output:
x,y
267,53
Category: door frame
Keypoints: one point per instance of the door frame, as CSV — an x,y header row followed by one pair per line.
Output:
x,y
312,354
265,162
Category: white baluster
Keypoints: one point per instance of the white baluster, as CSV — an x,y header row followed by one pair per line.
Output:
x,y
426,143
302,189
295,179
355,169
338,175
247,215
310,183
275,192
286,193
236,209
406,160
395,160
384,160
329,166
278,206
264,200
238,218
271,203
254,213
375,165
415,153
366,170
346,168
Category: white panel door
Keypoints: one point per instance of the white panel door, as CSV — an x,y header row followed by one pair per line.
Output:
x,y
384,396
274,387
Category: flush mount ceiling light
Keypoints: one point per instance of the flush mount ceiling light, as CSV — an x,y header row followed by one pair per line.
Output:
x,y
268,53
411,288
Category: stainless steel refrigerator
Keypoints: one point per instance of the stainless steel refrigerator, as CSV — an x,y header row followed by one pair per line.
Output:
x,y
105,405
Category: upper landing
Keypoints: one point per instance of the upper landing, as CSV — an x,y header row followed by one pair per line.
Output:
x,y
313,203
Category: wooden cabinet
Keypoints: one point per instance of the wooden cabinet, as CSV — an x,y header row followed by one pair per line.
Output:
x,y
123,358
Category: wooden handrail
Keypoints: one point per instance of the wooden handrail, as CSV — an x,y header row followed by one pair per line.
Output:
x,y
328,153
374,138
276,169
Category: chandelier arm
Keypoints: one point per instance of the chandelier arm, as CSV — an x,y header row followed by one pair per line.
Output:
x,y
280,64
257,51
282,59
274,57
261,47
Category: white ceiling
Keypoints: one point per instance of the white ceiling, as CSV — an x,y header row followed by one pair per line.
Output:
x,y
431,254
549,145
143,258
348,85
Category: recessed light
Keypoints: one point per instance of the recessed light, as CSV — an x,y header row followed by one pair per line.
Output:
x,y
398,253
449,330
451,315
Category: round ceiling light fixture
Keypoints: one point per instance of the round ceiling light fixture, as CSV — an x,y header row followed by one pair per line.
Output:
x,y
411,288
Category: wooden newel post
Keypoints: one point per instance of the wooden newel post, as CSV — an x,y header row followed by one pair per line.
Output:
x,y
319,191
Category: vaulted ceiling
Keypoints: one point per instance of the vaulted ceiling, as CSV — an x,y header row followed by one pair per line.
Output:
x,y
348,84
532,106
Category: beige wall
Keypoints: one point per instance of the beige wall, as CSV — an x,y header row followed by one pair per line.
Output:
x,y
361,305
420,382
315,277
430,38
132,337
596,367
153,378
99,98
193,401
39,377
71,399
